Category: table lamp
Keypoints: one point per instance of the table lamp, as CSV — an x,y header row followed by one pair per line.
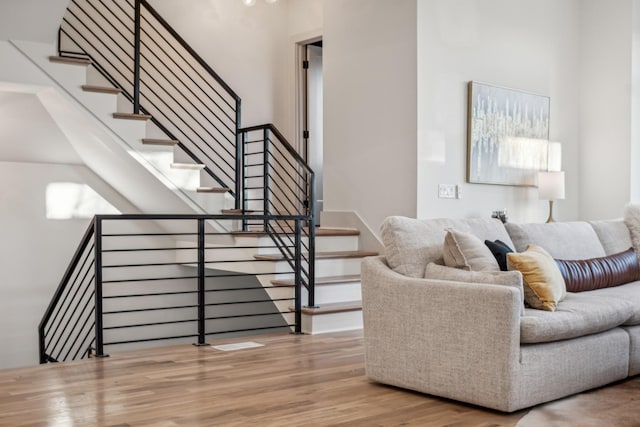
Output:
x,y
551,187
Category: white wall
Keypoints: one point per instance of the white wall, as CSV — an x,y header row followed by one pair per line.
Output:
x,y
606,108
520,44
246,46
369,61
33,20
35,251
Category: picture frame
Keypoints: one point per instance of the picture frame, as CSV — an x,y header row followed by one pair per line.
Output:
x,y
507,135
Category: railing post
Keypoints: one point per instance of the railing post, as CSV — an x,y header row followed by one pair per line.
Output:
x,y
41,345
298,277
266,183
240,141
136,59
312,242
201,283
97,237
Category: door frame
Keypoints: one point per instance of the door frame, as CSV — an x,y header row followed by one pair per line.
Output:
x,y
299,89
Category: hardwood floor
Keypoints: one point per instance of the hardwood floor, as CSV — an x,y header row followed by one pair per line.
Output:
x,y
291,381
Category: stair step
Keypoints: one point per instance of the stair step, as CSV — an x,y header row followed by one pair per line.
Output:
x,y
152,141
131,116
101,89
320,232
334,231
320,255
70,61
212,190
335,307
332,280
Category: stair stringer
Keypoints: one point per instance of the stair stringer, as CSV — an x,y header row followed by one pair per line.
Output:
x,y
112,147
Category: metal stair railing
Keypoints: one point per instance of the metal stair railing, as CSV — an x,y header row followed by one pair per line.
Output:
x,y
136,50
277,179
168,278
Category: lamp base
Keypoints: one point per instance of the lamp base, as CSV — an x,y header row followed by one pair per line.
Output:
x,y
550,219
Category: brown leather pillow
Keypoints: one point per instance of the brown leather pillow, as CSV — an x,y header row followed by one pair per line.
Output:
x,y
604,272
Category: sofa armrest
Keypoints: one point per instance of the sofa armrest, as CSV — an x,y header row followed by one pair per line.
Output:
x,y
452,339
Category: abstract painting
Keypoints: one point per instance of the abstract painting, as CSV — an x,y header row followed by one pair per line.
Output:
x,y
507,135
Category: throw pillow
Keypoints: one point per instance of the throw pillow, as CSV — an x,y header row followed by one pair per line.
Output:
x,y
543,284
466,251
499,249
632,220
504,278
604,272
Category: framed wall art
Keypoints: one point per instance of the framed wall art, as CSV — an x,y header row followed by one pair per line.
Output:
x,y
507,135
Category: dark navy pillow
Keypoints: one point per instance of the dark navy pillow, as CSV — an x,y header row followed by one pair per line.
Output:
x,y
499,249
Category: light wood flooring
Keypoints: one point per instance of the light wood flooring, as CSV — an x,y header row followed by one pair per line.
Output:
x,y
291,381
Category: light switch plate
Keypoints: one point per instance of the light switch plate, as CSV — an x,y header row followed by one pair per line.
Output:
x,y
447,191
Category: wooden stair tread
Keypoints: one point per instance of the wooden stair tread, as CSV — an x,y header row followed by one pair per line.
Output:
x,y
335,231
320,255
212,190
101,89
320,232
154,141
335,307
70,61
131,116
329,280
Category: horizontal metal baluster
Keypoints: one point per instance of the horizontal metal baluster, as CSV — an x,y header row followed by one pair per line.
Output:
x,y
95,35
189,113
190,51
70,287
208,157
172,59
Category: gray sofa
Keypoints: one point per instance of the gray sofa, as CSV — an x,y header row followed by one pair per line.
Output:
x,y
473,342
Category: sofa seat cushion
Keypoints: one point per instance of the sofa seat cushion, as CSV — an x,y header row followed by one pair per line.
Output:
x,y
579,314
630,293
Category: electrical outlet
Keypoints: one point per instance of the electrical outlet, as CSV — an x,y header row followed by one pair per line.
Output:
x,y
459,191
447,191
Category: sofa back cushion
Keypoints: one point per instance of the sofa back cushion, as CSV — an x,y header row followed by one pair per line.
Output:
x,y
410,244
632,220
613,234
563,240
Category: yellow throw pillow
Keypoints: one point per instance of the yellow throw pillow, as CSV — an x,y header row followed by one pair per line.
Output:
x,y
543,284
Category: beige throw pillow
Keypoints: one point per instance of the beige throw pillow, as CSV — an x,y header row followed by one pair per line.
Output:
x,y
504,278
466,251
544,286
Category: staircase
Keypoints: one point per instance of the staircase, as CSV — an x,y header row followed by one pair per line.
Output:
x,y
336,302
248,190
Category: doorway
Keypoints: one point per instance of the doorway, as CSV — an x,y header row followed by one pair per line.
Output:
x,y
312,116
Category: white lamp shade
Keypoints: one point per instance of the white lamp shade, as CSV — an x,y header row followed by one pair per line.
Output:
x,y
551,185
